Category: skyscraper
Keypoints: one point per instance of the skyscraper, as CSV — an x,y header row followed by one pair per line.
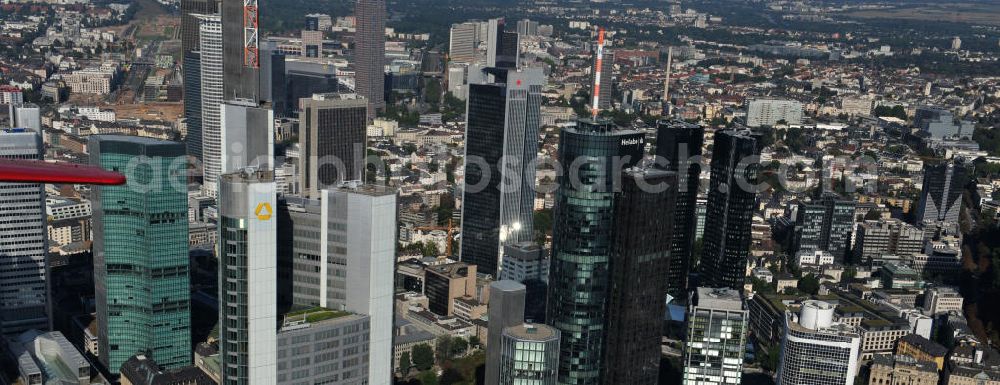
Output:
x,y
640,256
141,252
941,194
679,144
24,300
731,199
607,71
247,135
502,125
248,277
506,309
369,53
529,355
815,350
716,337
582,246
825,224
212,78
191,50
240,44
464,42
502,47
332,141
343,249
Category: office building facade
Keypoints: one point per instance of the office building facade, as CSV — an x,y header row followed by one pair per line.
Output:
x,y
340,258
210,62
141,252
529,355
640,259
941,194
582,248
247,250
463,45
24,300
825,224
240,45
247,135
191,52
815,350
771,112
503,120
332,141
731,199
369,53
506,310
876,238
679,144
716,337
320,346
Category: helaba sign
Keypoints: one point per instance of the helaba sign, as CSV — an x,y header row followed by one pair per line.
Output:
x,y
633,141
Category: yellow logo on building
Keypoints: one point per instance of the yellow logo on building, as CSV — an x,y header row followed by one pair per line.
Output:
x,y
263,211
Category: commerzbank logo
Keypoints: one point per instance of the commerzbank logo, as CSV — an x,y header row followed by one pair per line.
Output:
x,y
263,211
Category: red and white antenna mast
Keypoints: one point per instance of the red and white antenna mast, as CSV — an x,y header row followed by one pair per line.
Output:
x,y
597,72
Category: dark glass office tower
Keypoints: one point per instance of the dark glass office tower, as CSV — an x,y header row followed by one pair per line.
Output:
x,y
731,197
142,289
241,61
369,53
582,246
640,258
677,142
825,224
192,102
941,194
503,122
274,83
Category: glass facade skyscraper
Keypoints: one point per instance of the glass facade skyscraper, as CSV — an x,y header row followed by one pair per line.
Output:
x,y
23,282
501,147
679,144
141,251
529,355
731,198
369,53
640,257
825,224
716,337
582,246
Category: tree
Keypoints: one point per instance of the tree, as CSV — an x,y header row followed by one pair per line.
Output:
x,y
428,378
451,376
474,341
442,349
431,249
404,363
809,284
458,346
423,357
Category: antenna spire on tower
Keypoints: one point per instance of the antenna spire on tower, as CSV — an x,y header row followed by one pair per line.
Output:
x,y
597,72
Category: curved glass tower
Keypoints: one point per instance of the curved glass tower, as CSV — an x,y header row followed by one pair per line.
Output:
x,y
592,155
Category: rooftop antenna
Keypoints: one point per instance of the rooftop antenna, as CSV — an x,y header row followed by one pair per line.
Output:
x,y
597,72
